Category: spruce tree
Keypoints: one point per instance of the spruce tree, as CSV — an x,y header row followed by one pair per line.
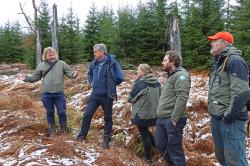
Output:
x,y
125,39
90,32
146,41
241,28
70,45
44,24
202,18
107,33
11,47
161,31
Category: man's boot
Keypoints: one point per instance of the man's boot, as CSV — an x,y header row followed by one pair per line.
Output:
x,y
106,141
81,138
51,130
63,128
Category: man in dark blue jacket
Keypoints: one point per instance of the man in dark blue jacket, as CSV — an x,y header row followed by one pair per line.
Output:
x,y
103,76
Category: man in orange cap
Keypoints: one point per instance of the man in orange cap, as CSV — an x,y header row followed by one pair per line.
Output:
x,y
228,88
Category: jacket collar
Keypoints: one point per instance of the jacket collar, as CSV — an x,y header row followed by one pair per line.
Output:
x,y
171,72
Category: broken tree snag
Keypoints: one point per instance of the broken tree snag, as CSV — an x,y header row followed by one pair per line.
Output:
x,y
175,39
54,29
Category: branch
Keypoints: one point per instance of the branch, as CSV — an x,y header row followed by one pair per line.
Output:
x,y
35,15
26,18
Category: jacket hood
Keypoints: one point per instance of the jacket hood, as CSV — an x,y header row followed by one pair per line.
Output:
x,y
230,50
171,72
109,57
149,78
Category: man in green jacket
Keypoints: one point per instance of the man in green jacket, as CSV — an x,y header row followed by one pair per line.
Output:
x,y
52,71
171,110
228,89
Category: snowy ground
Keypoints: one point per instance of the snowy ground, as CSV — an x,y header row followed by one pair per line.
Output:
x,y
23,128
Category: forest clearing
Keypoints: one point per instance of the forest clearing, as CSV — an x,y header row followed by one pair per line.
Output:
x,y
23,126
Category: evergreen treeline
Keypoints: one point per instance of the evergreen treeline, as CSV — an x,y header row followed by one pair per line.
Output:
x,y
133,35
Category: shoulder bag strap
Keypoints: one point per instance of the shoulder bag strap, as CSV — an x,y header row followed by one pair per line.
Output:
x,y
46,72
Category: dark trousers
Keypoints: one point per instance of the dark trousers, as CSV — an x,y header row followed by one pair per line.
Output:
x,y
230,142
147,140
58,100
93,103
169,140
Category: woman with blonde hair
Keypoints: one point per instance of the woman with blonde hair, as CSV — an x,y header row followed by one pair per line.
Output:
x,y
52,71
144,98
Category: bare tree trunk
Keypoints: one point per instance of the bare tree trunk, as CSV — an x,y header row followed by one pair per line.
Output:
x,y
54,27
35,31
175,39
38,48
38,40
228,15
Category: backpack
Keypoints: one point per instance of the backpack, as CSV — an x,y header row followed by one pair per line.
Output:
x,y
224,68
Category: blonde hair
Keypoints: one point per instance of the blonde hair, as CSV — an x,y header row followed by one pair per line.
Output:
x,y
145,67
49,49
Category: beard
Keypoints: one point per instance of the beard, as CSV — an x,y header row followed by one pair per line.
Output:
x,y
166,68
215,51
212,52
52,60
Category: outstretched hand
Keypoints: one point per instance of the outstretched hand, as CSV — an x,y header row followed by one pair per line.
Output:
x,y
21,76
75,74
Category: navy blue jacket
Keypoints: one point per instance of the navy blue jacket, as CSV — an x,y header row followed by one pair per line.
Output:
x,y
104,76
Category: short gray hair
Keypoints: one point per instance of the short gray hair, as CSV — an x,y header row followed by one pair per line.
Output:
x,y
101,47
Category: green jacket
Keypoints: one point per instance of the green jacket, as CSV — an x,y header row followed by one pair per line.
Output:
x,y
54,80
174,96
228,81
145,96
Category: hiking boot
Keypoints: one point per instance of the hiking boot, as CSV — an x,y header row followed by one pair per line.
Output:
x,y
81,138
105,143
51,131
63,129
148,160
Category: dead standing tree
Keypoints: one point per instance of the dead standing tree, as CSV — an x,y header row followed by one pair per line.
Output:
x,y
54,27
35,30
175,39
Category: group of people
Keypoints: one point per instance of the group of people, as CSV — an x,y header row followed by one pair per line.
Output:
x,y
157,105
163,107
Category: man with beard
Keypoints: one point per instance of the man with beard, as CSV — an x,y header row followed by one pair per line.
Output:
x,y
171,110
227,97
52,71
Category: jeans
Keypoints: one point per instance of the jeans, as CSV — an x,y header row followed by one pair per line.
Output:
x,y
50,100
169,140
229,141
148,141
93,103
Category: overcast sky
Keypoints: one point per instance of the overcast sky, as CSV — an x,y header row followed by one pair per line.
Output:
x,y
9,9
